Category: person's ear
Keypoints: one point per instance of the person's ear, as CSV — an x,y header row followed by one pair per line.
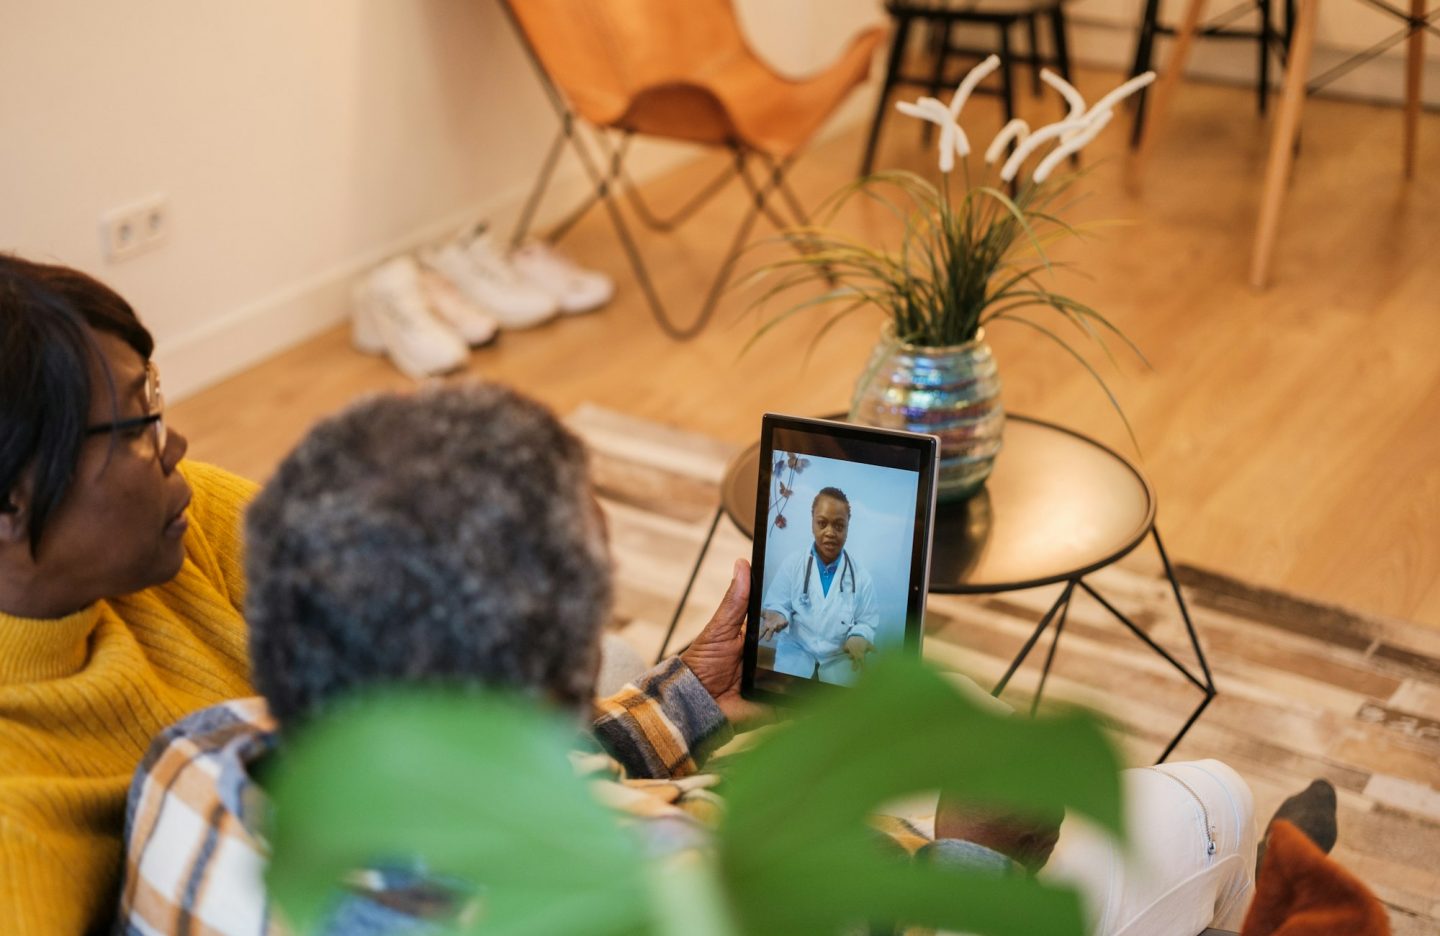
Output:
x,y
15,513
12,522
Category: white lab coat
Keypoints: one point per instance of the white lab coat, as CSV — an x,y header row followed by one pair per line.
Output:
x,y
820,623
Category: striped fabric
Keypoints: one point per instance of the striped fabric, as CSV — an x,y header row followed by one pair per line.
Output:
x,y
82,696
195,848
662,725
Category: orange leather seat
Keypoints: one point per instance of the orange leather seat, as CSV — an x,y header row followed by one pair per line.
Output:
x,y
682,69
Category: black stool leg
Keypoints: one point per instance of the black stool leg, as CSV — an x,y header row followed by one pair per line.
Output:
x,y
1144,55
1058,30
1289,31
1007,84
1262,87
1034,32
1059,37
937,74
892,71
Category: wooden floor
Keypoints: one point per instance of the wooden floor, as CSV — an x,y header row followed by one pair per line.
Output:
x,y
1293,436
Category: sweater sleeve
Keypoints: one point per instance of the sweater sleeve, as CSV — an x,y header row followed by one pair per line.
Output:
x,y
40,891
217,514
663,725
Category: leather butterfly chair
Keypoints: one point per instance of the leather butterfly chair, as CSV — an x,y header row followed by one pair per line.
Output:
x,y
680,71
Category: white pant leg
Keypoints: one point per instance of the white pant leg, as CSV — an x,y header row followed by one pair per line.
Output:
x,y
838,670
793,659
1171,884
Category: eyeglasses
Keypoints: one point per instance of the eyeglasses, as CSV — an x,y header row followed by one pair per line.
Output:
x,y
154,412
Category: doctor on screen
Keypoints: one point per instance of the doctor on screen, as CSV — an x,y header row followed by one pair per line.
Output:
x,y
820,609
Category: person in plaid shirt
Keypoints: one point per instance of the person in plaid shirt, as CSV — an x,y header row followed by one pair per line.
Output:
x,y
452,537
449,536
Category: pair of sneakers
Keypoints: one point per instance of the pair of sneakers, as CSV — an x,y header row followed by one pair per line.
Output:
x,y
529,286
417,319
427,316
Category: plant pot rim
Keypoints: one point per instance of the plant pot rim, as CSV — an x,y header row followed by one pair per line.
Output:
x,y
888,334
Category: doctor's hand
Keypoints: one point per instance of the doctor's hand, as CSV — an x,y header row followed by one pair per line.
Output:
x,y
857,647
714,656
772,623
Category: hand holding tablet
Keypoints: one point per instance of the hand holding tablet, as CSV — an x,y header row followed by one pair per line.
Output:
x,y
844,518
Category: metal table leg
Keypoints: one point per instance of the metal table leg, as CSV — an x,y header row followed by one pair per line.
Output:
x,y
690,583
1058,612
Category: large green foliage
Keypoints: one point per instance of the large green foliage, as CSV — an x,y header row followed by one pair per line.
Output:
x,y
479,787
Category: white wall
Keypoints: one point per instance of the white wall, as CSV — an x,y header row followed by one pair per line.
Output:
x,y
298,143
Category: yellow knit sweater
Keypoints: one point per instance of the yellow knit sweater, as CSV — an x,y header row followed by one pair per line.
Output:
x,y
82,696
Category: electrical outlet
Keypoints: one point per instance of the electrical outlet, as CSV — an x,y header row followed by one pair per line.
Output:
x,y
134,229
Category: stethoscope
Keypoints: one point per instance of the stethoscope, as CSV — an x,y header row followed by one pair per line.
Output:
x,y
810,564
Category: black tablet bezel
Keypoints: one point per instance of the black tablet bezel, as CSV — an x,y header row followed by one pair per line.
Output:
x,y
927,447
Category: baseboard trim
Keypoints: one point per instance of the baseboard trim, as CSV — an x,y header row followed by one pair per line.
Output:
x,y
241,338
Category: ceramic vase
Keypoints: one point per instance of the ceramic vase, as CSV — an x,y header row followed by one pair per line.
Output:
x,y
951,392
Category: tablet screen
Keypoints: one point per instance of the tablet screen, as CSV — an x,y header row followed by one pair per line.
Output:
x,y
843,519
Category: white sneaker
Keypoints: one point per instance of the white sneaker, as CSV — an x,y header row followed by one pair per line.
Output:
x,y
484,276
473,324
390,317
573,287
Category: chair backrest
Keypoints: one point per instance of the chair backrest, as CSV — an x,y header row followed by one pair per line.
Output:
x,y
602,53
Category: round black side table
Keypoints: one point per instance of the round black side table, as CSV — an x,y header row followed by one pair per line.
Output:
x,y
1058,507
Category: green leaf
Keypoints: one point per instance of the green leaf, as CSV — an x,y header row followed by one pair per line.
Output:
x,y
795,849
476,784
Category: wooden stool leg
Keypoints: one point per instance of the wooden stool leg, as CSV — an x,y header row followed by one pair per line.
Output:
x,y
1414,71
1164,88
1282,143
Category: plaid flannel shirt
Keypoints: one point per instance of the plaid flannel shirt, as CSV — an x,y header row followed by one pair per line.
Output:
x,y
196,852
195,849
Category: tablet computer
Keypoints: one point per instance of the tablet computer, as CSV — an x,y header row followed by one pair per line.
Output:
x,y
844,517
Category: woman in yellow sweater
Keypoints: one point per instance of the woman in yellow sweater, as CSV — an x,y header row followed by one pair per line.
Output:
x,y
121,587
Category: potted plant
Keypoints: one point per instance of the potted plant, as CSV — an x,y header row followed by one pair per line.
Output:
x,y
966,259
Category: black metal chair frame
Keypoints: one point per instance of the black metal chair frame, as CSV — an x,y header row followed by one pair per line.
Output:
x,y
1269,41
1272,41
1430,22
942,19
613,179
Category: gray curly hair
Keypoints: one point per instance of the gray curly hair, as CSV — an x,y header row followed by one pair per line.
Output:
x,y
447,536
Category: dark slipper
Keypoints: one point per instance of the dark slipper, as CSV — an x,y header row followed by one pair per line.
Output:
x,y
1312,811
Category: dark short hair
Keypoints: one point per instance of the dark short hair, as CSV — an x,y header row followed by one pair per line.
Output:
x,y
834,493
48,316
448,536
